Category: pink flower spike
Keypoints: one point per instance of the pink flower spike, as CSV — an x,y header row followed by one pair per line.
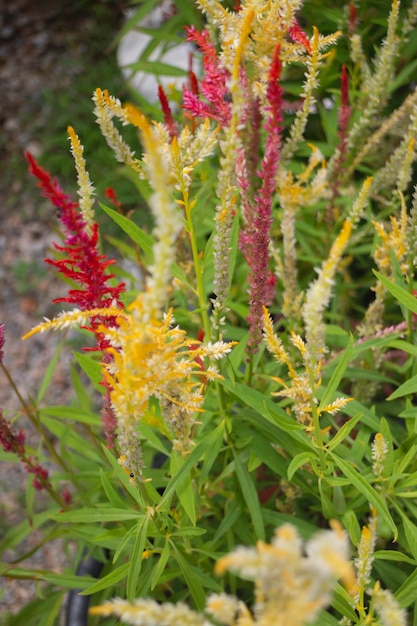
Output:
x,y
2,341
298,35
213,86
261,287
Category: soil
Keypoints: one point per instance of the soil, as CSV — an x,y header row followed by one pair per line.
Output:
x,y
42,44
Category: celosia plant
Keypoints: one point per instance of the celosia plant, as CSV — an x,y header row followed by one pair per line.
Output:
x,y
259,372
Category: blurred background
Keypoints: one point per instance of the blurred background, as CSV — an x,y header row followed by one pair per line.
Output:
x,y
53,54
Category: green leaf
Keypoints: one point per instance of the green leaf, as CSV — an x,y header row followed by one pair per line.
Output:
x,y
393,555
91,368
365,489
144,241
402,295
116,575
405,346
407,388
185,491
82,391
250,496
211,455
70,438
265,407
113,496
95,516
119,472
407,593
342,602
161,564
337,374
232,513
410,531
137,558
300,460
71,581
181,475
343,432
157,68
49,372
72,413
192,582
188,531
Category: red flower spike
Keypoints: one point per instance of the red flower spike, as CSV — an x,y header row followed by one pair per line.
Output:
x,y
109,421
82,262
343,123
193,81
66,496
112,196
2,340
166,110
298,35
353,19
261,287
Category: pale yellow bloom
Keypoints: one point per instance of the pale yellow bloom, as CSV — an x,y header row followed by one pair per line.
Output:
x,y
150,613
293,582
107,107
85,186
168,219
72,319
390,613
364,560
379,450
319,294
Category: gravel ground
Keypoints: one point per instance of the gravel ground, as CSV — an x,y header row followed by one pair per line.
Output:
x,y
42,44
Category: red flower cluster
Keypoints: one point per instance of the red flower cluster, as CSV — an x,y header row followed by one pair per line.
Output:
x,y
15,442
82,262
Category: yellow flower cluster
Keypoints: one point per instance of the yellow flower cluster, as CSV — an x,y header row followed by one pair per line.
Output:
x,y
152,358
301,390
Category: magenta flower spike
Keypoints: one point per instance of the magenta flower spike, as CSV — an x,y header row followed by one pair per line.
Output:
x,y
261,281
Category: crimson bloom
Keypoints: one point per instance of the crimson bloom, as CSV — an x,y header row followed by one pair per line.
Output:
x,y
255,242
81,260
12,441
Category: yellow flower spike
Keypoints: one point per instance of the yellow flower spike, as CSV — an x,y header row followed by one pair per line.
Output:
x,y
85,186
168,221
72,319
274,344
107,107
244,35
319,293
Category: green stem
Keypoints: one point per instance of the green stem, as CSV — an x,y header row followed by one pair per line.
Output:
x,y
202,300
316,419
